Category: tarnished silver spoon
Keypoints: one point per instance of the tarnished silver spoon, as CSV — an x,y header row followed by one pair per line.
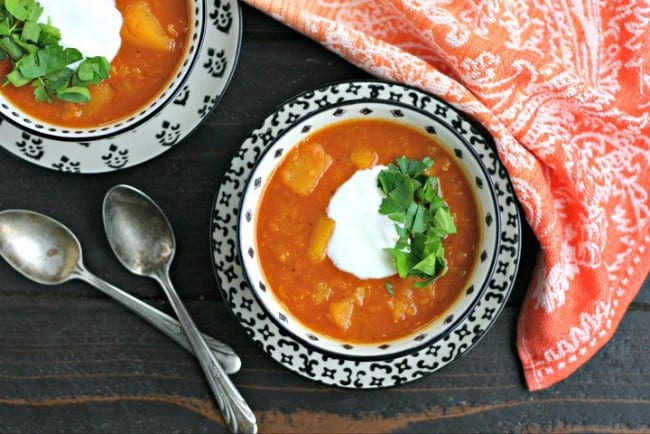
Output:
x,y
47,252
143,240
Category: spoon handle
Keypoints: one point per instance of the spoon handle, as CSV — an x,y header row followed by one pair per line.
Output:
x,y
235,411
163,322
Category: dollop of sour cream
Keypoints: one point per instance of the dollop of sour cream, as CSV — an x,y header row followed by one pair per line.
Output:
x,y
92,27
361,233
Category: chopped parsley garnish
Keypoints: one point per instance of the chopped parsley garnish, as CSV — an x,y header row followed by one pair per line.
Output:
x,y
39,60
389,288
422,219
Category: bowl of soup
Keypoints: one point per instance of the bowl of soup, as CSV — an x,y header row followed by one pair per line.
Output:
x,y
148,49
328,258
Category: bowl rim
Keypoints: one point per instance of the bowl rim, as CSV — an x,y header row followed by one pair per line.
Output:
x,y
80,134
448,328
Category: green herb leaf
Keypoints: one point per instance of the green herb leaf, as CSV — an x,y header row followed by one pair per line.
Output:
x,y
386,180
20,9
50,35
26,46
40,92
5,28
404,262
92,70
424,283
78,94
423,219
444,221
58,80
32,66
389,206
31,31
12,49
38,58
35,13
413,167
16,79
57,57
427,266
389,288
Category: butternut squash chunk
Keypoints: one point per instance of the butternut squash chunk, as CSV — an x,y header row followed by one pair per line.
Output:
x,y
320,238
403,306
323,293
100,95
142,28
305,167
359,295
364,159
341,313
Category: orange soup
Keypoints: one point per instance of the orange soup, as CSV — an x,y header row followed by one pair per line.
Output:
x,y
145,63
290,221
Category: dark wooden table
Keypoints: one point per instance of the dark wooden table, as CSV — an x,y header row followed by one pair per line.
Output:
x,y
72,360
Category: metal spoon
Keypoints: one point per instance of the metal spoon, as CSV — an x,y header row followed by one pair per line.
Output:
x,y
47,252
143,240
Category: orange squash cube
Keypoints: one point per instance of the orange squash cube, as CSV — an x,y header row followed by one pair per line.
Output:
x,y
341,313
364,159
403,306
359,295
142,28
305,167
323,293
100,95
320,238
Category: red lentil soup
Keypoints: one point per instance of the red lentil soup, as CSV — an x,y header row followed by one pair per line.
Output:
x,y
144,65
290,221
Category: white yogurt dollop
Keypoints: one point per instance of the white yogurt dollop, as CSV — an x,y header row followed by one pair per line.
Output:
x,y
92,27
361,233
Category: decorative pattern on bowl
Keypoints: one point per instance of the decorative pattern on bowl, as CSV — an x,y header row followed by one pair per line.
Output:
x,y
15,115
340,369
195,90
456,144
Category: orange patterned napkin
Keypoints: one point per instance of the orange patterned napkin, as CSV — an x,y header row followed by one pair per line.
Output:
x,y
564,88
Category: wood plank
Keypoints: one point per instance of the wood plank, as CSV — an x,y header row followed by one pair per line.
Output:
x,y
260,26
86,365
263,80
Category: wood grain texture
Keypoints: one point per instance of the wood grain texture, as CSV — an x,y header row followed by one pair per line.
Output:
x,y
73,361
98,368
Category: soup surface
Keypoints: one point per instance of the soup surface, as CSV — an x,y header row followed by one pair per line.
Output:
x,y
337,303
139,72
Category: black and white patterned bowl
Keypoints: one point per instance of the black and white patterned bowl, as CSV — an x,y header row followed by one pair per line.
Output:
x,y
301,357
197,20
456,143
197,88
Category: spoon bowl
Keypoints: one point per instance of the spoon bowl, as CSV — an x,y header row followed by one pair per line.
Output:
x,y
47,252
138,231
38,247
